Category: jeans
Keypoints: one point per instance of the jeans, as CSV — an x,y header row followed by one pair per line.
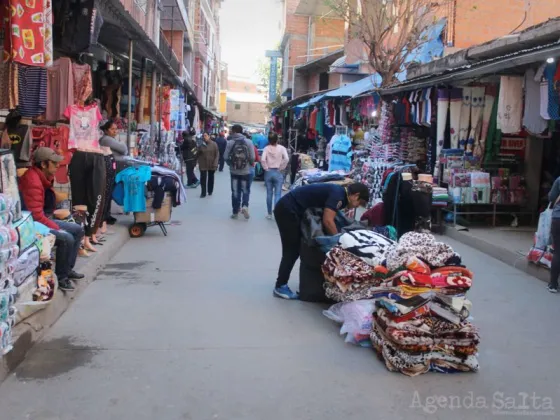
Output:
x,y
191,177
555,265
239,192
221,162
68,241
206,179
273,180
290,234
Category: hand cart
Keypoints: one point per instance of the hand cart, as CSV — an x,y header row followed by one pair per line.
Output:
x,y
151,217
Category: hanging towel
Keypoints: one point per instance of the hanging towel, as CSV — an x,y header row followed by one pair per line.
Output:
x,y
456,102
509,104
477,109
465,117
532,119
544,101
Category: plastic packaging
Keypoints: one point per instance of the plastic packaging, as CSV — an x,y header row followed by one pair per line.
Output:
x,y
356,319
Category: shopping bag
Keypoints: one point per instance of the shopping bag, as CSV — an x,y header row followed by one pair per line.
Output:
x,y
542,237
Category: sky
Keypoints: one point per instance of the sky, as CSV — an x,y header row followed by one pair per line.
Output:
x,y
248,29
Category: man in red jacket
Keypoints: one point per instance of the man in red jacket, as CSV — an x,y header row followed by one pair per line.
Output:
x,y
37,194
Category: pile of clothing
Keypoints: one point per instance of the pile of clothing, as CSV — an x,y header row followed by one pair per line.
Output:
x,y
354,269
425,325
440,197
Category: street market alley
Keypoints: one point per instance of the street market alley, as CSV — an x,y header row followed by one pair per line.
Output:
x,y
185,327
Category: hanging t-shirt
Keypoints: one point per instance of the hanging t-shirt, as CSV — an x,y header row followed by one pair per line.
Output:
x,y
84,127
32,91
134,179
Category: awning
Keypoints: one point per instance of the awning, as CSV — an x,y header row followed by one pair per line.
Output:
x,y
321,63
354,89
311,102
297,101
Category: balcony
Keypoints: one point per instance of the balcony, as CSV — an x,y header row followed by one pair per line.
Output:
x,y
169,55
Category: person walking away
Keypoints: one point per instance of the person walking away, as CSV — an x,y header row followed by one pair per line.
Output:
x,y
208,158
274,160
222,144
554,197
190,154
38,196
240,156
253,169
289,212
114,151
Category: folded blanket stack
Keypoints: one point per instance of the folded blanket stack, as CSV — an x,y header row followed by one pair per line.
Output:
x,y
424,325
440,197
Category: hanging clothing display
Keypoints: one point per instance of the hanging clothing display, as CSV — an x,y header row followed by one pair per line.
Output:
x,y
477,110
465,118
24,26
60,88
84,127
32,89
532,119
341,153
73,25
9,89
134,180
442,111
489,100
82,82
553,97
456,103
510,104
47,32
494,137
544,101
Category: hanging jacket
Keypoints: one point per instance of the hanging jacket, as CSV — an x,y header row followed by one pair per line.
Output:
x,y
341,153
34,187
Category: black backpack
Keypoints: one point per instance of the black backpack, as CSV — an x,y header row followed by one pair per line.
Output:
x,y
239,156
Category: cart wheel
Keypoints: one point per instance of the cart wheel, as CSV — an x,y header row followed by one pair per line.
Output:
x,y
137,230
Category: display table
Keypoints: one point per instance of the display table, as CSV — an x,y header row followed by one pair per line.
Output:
x,y
492,209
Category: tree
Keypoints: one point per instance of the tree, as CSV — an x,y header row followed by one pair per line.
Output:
x,y
391,30
263,73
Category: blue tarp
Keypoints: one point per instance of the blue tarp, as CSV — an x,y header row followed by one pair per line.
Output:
x,y
353,89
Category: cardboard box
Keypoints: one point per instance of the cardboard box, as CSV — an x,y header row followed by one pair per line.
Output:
x,y
160,215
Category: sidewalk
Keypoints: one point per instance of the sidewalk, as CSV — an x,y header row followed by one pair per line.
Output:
x,y
29,331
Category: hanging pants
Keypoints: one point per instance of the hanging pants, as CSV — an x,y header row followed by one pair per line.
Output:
x,y
88,176
111,172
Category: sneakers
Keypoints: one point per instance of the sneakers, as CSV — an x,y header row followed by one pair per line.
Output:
x,y
65,285
73,275
235,216
284,292
552,289
269,216
245,212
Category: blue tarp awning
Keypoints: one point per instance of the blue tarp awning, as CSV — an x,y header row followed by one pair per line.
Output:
x,y
353,89
312,101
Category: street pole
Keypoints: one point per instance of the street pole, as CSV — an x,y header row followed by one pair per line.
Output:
x,y
129,128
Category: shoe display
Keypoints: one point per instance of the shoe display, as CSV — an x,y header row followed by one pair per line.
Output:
x,y
284,292
245,212
73,275
64,284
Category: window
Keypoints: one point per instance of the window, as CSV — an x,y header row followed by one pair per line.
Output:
x,y
237,106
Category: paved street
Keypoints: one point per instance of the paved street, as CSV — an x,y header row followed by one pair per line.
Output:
x,y
186,328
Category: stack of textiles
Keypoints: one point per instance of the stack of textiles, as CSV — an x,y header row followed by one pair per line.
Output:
x,y
440,197
425,324
354,268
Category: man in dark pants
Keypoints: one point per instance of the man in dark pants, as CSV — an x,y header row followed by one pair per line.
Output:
x,y
38,197
190,155
289,211
222,144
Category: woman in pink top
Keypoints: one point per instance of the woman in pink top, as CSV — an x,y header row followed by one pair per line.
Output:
x,y
274,160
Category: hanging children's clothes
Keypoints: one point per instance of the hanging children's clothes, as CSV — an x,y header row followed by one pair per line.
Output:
x,y
341,153
84,127
134,179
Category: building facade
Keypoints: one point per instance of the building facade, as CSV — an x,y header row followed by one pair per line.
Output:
x,y
246,101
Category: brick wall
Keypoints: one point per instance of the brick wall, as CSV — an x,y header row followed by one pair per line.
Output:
x,y
481,21
175,40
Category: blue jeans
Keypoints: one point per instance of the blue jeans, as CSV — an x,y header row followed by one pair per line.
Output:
x,y
68,241
239,192
273,180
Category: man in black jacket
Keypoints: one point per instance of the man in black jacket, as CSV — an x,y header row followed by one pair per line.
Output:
x,y
190,155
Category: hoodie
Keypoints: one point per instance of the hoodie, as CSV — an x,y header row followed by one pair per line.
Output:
x,y
231,141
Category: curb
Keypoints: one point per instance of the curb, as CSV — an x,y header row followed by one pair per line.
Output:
x,y
502,254
31,330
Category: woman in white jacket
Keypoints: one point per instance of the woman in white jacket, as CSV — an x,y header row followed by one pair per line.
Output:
x,y
274,160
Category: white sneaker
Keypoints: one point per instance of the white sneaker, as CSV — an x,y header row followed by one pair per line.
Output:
x,y
245,212
269,216
235,216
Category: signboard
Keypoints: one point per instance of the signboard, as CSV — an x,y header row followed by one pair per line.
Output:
x,y
177,109
273,77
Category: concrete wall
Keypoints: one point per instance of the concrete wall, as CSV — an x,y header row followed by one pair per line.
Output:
x,y
250,113
175,40
235,85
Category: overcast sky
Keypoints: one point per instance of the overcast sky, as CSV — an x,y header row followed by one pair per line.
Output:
x,y
248,29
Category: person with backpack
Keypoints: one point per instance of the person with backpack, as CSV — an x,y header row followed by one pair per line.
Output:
x,y
190,156
240,156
